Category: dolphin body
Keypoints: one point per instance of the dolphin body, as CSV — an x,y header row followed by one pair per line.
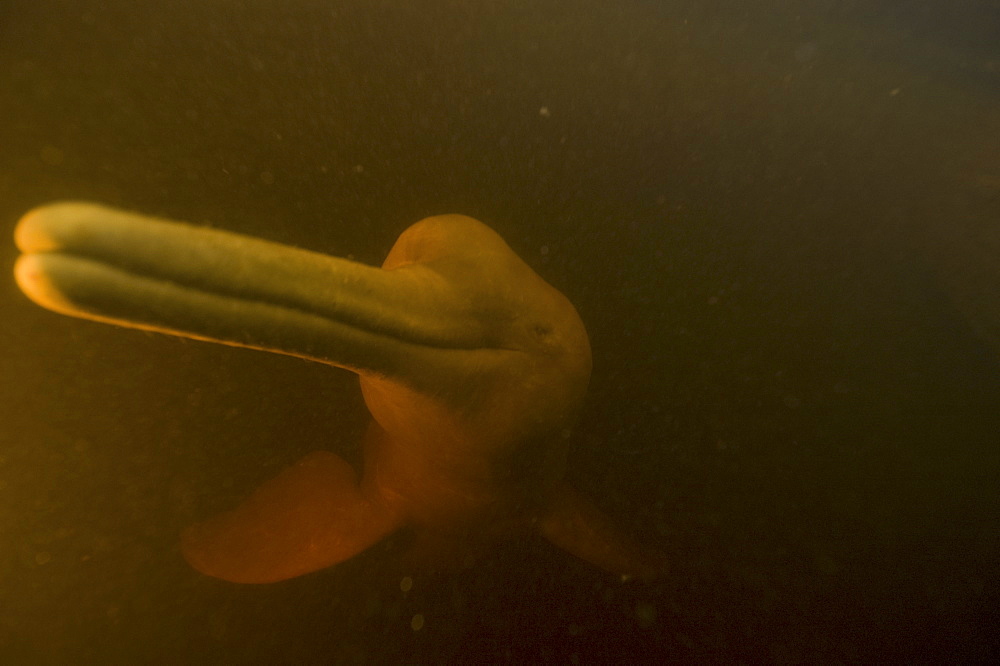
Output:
x,y
473,367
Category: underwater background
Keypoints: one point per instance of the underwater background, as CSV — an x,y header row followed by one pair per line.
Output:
x,y
780,222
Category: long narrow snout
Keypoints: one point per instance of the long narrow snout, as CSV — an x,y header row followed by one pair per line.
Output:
x,y
100,263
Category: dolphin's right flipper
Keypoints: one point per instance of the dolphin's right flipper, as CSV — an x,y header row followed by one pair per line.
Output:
x,y
311,516
577,526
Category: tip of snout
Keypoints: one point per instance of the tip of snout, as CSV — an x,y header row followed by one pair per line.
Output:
x,y
29,234
35,280
30,277
43,229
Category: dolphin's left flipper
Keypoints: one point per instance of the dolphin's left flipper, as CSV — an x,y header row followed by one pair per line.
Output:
x,y
577,526
311,516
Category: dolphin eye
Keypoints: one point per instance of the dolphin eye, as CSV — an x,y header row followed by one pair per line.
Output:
x,y
542,330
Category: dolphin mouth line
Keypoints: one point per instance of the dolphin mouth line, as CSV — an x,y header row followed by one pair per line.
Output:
x,y
46,265
35,269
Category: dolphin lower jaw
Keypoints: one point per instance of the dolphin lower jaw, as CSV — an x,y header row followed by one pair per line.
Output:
x,y
91,290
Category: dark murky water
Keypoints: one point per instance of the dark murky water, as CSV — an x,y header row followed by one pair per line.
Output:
x,y
780,227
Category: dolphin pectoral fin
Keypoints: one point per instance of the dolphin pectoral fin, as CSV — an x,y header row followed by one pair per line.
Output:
x,y
311,516
577,526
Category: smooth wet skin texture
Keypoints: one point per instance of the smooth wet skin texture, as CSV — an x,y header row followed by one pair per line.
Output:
x,y
472,366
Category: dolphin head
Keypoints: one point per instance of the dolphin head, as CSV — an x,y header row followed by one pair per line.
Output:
x,y
469,361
